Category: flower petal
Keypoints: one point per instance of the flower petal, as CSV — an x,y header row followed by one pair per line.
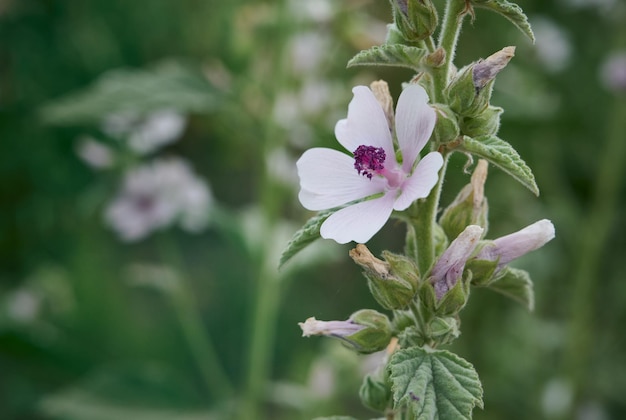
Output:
x,y
415,121
419,184
519,243
366,124
328,179
358,222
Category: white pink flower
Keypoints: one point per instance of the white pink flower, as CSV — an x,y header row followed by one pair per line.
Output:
x,y
157,195
507,248
372,181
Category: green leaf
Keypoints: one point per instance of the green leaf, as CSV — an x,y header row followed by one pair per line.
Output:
x,y
502,155
517,285
169,85
434,384
305,236
512,12
391,55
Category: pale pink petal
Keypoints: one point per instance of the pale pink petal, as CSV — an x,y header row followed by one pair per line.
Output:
x,y
358,222
415,121
366,124
328,179
419,184
514,245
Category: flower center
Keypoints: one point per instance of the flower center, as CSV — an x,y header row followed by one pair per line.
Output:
x,y
369,160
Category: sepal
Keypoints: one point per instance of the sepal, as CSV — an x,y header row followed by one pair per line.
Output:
x,y
485,124
416,19
447,126
375,391
470,205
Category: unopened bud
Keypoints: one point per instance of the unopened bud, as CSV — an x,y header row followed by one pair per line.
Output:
x,y
380,89
375,391
470,91
470,205
447,272
393,282
416,19
486,123
444,329
366,331
447,126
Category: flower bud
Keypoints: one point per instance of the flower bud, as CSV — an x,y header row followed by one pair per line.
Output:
x,y
375,391
470,205
447,126
444,329
366,331
470,91
416,19
393,282
448,269
507,248
485,124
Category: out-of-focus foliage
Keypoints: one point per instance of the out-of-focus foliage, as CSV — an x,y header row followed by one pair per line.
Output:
x,y
260,82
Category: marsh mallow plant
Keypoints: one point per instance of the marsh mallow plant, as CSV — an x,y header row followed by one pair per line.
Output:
x,y
393,166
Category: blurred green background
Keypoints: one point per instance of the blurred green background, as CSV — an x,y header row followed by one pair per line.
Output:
x,y
200,325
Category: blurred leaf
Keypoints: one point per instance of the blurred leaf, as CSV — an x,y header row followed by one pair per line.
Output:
x,y
504,156
390,55
305,236
434,384
335,418
169,85
137,392
512,12
517,285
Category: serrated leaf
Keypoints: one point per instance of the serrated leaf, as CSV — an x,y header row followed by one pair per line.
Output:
x,y
510,11
502,155
169,85
391,55
304,237
434,384
517,285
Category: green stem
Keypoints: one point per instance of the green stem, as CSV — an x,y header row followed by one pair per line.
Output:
x,y
186,308
423,219
448,38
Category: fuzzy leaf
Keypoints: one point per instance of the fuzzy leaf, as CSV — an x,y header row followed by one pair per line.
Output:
x,y
305,236
169,85
434,384
517,285
502,155
391,55
512,12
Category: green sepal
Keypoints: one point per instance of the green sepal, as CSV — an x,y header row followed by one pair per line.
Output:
x,y
454,299
516,284
440,238
444,330
374,337
434,384
305,236
482,271
427,296
390,293
416,19
447,125
486,123
411,337
503,155
397,55
375,391
463,97
403,267
510,11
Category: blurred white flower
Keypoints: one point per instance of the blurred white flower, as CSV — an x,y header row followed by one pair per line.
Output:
x,y
307,51
557,398
553,46
613,72
314,10
94,153
601,5
23,305
157,195
146,133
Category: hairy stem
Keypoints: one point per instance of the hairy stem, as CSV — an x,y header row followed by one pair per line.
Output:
x,y
448,38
